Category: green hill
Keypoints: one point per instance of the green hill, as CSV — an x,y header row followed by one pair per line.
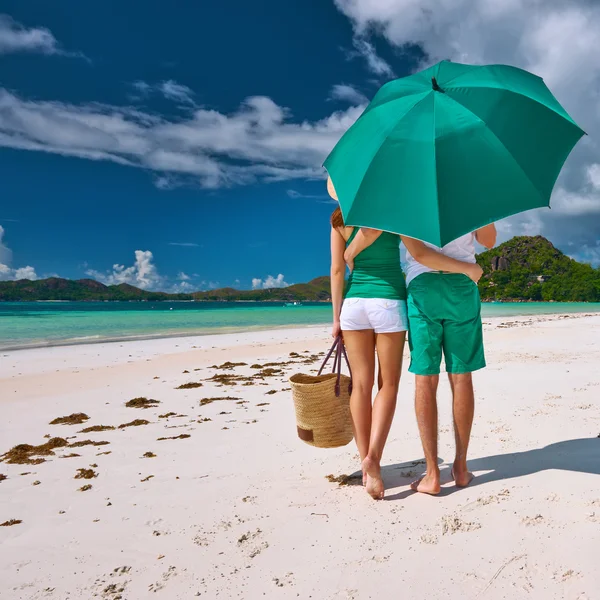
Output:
x,y
56,288
531,268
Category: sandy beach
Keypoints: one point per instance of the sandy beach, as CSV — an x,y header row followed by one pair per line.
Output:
x,y
207,492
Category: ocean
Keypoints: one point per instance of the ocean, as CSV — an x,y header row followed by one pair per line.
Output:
x,y
37,324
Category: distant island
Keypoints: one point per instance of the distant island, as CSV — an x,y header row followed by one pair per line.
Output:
x,y
522,269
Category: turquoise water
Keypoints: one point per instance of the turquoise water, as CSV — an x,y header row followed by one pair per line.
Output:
x,y
31,324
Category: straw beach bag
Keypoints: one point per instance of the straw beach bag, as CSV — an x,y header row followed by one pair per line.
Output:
x,y
322,403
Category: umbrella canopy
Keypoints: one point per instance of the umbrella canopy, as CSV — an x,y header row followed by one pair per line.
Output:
x,y
450,149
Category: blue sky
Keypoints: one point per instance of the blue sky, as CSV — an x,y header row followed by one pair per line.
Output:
x,y
179,147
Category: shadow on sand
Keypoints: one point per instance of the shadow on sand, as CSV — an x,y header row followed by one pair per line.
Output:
x,y
580,456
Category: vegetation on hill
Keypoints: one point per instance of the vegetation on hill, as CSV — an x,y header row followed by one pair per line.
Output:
x,y
537,271
56,288
524,268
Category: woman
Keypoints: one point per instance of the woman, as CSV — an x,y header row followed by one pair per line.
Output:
x,y
370,311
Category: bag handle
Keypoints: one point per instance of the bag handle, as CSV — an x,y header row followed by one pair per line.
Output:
x,y
340,350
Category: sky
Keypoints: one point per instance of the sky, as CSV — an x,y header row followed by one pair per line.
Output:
x,y
179,147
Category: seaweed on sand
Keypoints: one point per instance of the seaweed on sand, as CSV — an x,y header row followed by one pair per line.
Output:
x,y
141,403
95,428
229,365
23,454
87,443
206,401
74,419
85,474
135,423
189,386
341,480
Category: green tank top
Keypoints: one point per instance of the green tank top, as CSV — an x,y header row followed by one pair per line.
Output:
x,y
377,270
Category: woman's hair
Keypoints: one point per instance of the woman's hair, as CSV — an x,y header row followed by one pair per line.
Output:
x,y
337,220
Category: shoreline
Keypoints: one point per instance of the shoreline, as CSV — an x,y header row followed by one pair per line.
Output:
x,y
158,336
221,331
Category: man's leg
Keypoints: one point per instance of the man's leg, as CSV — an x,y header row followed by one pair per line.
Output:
x,y
426,340
463,407
463,350
426,410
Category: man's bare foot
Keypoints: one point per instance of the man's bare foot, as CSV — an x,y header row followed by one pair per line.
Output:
x,y
375,487
428,484
462,476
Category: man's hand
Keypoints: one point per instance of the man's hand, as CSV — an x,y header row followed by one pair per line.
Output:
x,y
474,272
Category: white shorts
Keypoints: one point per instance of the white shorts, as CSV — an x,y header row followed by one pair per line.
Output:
x,y
378,314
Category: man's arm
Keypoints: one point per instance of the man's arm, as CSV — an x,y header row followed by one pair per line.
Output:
x,y
486,236
363,239
440,262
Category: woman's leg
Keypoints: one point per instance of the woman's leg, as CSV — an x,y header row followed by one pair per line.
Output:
x,y
390,348
360,346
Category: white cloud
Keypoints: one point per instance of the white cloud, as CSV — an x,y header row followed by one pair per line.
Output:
x,y
142,274
269,283
589,254
593,175
296,195
15,37
348,93
257,142
5,251
576,203
26,273
181,287
170,89
375,63
176,91
7,273
142,87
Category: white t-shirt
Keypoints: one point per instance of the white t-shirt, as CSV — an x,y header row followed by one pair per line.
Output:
x,y
462,249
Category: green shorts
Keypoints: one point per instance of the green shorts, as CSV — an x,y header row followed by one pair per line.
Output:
x,y
444,314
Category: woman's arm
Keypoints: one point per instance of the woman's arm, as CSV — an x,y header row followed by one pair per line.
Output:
x,y
440,262
486,236
363,239
338,270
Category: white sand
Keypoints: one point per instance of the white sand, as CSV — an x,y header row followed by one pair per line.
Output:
x,y
246,511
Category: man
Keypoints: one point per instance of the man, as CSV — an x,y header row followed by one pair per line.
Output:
x,y
444,312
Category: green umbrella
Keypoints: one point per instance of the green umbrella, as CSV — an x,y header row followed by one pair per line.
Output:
x,y
450,149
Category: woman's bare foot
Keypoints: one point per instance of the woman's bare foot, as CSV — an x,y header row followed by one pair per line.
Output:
x,y
428,484
462,476
375,486
364,476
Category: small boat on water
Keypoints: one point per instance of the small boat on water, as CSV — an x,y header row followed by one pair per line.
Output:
x,y
293,304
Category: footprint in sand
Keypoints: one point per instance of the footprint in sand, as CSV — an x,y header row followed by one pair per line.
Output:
x,y
252,544
288,579
159,585
428,538
452,524
115,590
494,498
532,521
